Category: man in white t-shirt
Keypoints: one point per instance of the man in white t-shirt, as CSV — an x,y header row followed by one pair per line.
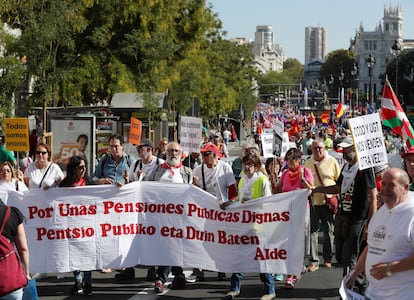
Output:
x,y
388,259
217,178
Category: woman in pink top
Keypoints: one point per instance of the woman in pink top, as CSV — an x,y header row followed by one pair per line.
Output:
x,y
295,177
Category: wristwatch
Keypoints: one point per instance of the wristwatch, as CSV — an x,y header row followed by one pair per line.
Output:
x,y
388,271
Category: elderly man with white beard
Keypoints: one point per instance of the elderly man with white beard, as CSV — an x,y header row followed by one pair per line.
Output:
x,y
172,171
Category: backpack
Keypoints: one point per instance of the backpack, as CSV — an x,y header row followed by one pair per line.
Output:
x,y
12,276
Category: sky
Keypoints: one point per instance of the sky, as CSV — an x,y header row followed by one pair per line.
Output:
x,y
290,17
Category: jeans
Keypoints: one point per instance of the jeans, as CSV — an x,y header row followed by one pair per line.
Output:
x,y
15,295
84,277
347,249
322,212
163,271
266,278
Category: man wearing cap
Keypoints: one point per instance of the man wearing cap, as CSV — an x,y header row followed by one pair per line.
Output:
x,y
139,171
146,162
358,202
215,177
325,170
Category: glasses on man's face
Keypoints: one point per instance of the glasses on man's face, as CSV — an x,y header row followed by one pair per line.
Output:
x,y
41,152
5,170
318,148
207,153
174,150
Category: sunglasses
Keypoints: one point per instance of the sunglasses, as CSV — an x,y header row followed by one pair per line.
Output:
x,y
5,170
82,168
41,152
207,153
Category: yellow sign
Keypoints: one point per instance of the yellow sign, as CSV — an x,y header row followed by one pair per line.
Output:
x,y
16,132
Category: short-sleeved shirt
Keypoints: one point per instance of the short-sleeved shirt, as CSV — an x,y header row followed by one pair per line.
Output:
x,y
15,219
46,177
356,198
221,174
291,185
6,155
108,168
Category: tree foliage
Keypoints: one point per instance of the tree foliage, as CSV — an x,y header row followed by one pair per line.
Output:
x,y
82,52
336,61
405,76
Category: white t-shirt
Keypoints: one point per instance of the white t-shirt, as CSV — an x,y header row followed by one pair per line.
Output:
x,y
172,175
221,174
53,174
146,168
5,187
391,238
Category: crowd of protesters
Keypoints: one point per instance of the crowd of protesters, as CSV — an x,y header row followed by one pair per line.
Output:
x,y
321,157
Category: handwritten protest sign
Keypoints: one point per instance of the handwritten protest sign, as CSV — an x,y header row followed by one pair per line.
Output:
x,y
369,140
190,133
149,223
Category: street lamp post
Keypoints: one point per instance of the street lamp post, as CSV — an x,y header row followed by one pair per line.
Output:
x,y
370,65
341,78
396,48
354,73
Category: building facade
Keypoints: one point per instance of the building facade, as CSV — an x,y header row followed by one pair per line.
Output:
x,y
377,44
316,44
268,55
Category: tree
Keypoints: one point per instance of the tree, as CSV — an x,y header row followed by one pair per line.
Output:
x,y
82,52
405,76
336,61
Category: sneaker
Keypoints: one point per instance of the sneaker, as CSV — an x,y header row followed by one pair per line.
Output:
x,y
151,274
231,295
221,276
178,282
268,297
327,264
76,289
158,286
87,290
126,274
199,274
278,277
312,267
289,283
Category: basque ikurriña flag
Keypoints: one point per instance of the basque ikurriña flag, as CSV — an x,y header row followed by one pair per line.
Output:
x,y
393,115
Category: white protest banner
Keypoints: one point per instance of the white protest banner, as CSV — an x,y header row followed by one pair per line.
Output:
x,y
190,133
267,144
369,140
152,223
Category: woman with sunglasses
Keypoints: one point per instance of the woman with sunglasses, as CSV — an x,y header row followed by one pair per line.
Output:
x,y
295,177
76,176
10,181
42,173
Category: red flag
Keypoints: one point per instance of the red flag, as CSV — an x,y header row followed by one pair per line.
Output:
x,y
339,110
